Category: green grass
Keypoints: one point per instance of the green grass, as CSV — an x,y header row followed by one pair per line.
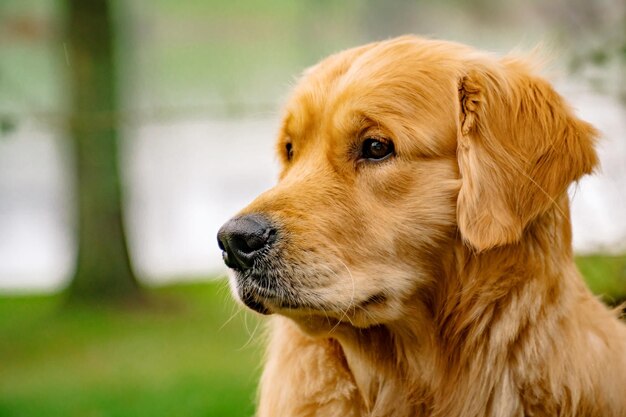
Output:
x,y
181,358
605,275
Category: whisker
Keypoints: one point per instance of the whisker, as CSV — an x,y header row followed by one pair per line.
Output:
x,y
234,314
320,301
250,336
350,303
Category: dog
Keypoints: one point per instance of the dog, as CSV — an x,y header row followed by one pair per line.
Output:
x,y
416,252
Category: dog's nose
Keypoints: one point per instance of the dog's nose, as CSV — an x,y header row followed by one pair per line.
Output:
x,y
243,238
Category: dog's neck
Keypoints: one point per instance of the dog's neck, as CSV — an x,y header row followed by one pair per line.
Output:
x,y
384,360
442,349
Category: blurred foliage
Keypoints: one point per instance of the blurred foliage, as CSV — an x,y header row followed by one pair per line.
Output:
x,y
7,125
187,355
597,42
207,57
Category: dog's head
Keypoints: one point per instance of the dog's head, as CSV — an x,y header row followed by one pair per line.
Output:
x,y
389,153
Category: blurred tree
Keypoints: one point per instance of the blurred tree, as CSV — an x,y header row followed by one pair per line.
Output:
x,y
103,270
596,35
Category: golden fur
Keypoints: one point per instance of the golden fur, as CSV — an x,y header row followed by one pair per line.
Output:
x,y
439,282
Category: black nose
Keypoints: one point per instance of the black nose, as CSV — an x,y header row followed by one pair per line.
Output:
x,y
243,238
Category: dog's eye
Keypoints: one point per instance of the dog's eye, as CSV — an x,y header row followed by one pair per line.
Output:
x,y
289,151
376,149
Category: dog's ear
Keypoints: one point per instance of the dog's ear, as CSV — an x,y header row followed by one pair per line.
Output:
x,y
519,147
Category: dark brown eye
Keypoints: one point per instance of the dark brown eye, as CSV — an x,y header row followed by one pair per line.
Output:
x,y
289,151
376,149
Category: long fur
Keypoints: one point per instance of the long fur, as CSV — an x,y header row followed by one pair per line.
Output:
x,y
439,282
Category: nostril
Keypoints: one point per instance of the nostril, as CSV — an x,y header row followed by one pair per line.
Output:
x,y
240,244
253,243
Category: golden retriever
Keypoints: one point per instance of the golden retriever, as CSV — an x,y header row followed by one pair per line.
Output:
x,y
417,250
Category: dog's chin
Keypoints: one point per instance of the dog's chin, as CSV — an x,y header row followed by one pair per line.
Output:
x,y
250,296
254,303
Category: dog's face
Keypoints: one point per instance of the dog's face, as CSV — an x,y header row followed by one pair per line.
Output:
x,y
382,152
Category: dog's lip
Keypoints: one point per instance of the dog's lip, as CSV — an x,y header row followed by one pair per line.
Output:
x,y
262,299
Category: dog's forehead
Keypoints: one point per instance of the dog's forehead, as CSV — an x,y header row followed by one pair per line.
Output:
x,y
409,82
315,90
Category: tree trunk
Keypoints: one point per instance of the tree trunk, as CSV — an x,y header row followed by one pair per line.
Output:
x,y
103,270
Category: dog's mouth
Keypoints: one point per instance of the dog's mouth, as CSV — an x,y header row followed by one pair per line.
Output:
x,y
264,292
277,288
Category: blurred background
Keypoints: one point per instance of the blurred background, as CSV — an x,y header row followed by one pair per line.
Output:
x,y
131,130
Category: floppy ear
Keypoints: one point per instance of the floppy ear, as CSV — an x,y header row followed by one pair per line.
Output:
x,y
519,147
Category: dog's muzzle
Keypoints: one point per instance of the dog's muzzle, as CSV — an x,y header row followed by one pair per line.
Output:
x,y
244,241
